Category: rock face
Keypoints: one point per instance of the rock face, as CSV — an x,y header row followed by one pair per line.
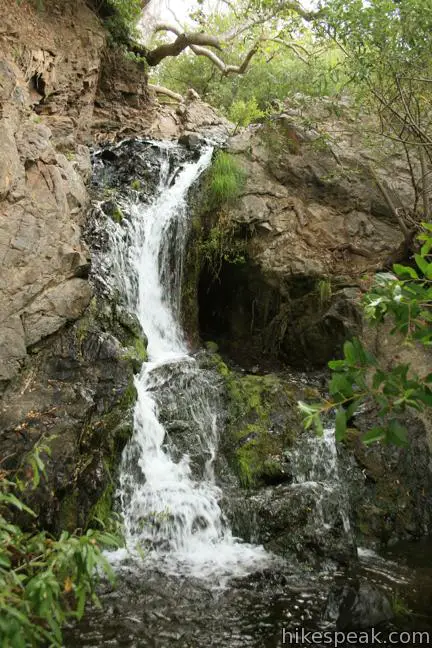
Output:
x,y
66,361
312,221
75,395
308,224
60,88
48,80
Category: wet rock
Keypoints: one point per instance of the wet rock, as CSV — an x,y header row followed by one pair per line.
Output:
x,y
261,424
388,486
186,397
358,605
76,393
302,520
190,140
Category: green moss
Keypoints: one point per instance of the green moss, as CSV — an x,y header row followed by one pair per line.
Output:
x,y
68,516
141,349
129,396
262,423
117,215
102,510
212,346
137,353
136,185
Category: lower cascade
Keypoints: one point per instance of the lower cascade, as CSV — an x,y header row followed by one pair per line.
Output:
x,y
170,510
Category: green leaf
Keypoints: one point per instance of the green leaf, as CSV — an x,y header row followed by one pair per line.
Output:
x,y
374,435
349,352
341,385
426,248
318,425
425,396
5,561
337,365
397,433
378,379
9,498
340,423
402,271
424,266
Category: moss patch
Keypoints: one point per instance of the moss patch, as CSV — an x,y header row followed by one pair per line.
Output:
x,y
68,515
102,510
262,422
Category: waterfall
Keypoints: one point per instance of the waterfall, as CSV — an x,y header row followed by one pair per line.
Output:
x,y
315,465
169,500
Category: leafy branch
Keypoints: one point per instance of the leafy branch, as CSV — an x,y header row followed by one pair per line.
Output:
x,y
43,580
358,381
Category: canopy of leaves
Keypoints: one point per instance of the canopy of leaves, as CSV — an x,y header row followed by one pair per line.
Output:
x,y
271,78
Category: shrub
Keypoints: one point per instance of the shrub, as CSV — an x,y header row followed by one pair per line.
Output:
x,y
120,17
244,112
43,580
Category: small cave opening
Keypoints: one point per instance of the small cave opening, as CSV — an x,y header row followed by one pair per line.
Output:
x,y
235,307
264,322
37,87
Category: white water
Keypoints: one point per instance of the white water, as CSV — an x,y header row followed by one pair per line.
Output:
x,y
171,512
315,466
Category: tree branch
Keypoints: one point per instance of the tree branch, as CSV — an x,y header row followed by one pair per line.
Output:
x,y
165,91
196,38
221,65
183,41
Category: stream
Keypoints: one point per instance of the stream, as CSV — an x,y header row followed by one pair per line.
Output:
x,y
183,578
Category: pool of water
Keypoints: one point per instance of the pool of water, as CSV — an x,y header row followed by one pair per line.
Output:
x,y
151,609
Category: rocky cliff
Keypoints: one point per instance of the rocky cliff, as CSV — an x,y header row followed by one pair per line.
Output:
x,y
281,271
312,222
67,358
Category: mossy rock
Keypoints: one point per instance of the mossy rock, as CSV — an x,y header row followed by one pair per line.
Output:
x,y
102,511
262,423
109,344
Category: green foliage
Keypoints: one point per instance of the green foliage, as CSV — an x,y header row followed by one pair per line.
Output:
x,y
226,180
121,18
224,184
269,80
358,379
43,580
243,113
386,46
221,246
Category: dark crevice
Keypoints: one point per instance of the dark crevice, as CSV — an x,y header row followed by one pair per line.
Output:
x,y
262,321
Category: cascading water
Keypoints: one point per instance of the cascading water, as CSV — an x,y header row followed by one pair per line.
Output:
x,y
315,466
170,507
